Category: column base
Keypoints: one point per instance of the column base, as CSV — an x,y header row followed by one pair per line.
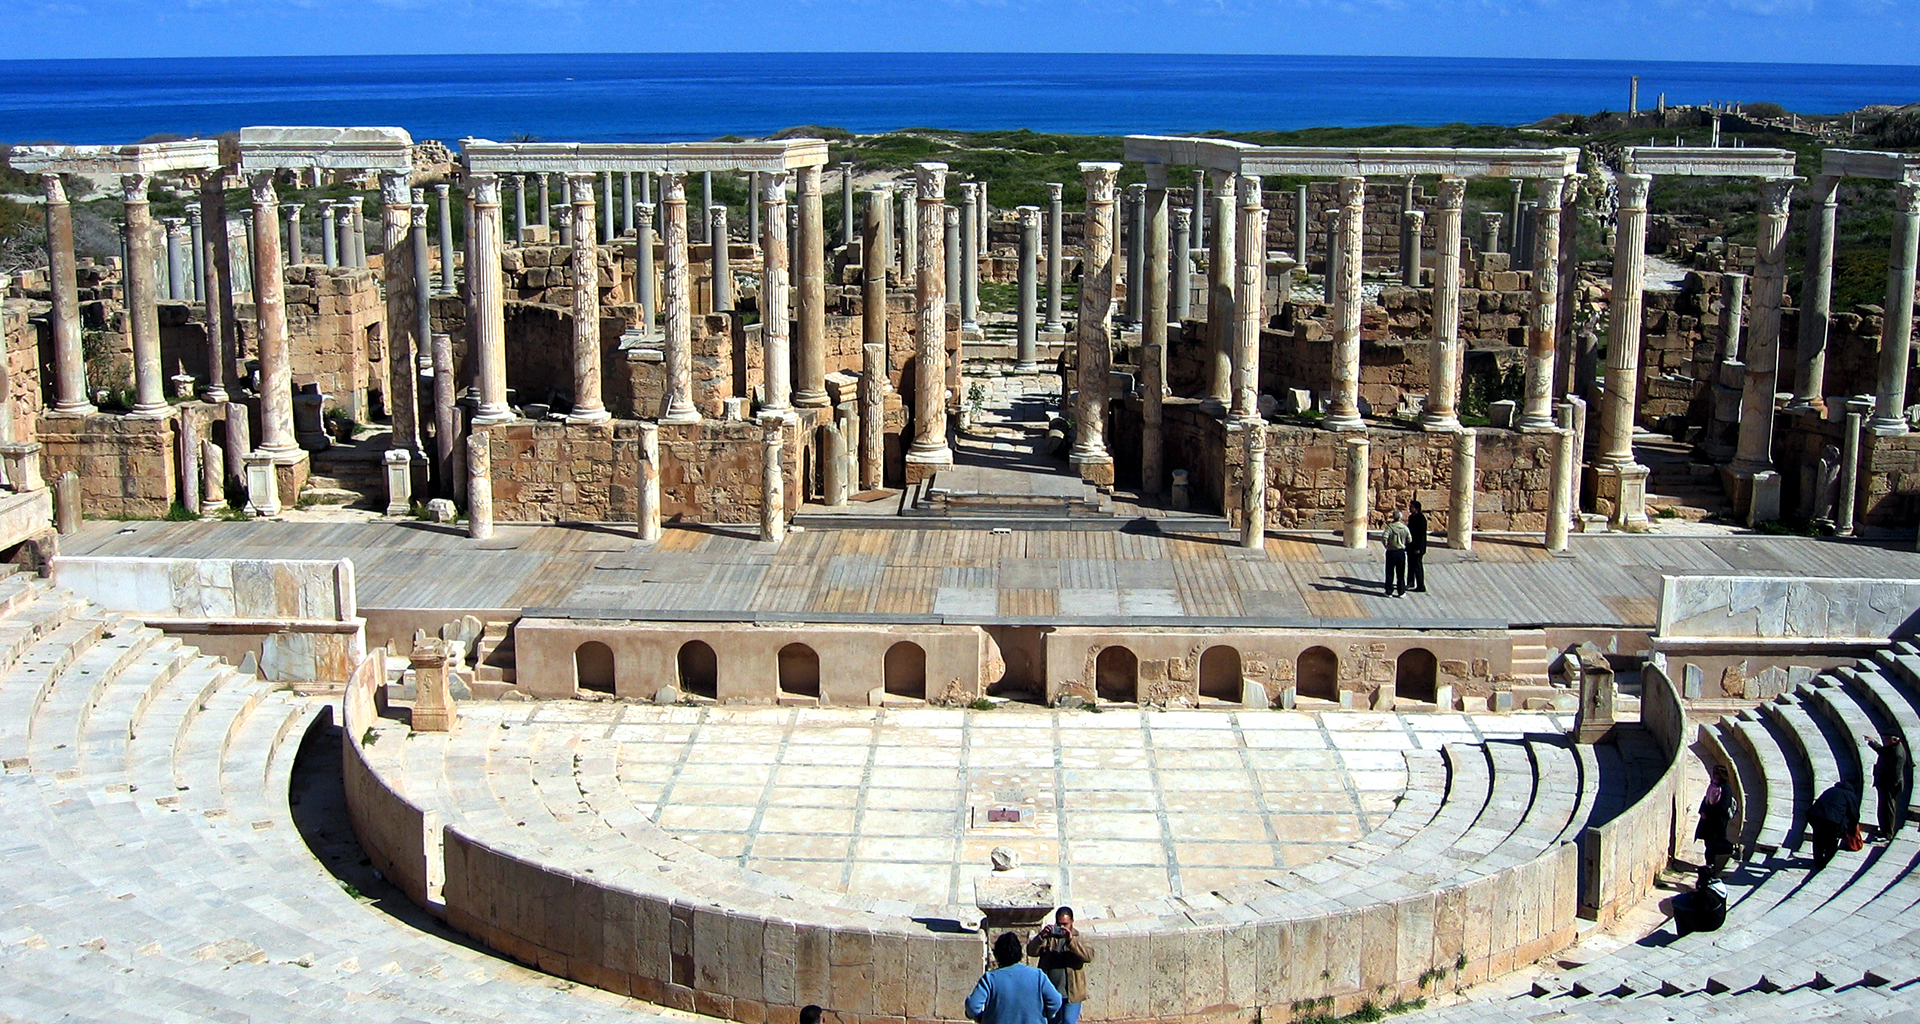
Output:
x,y
489,416
681,415
1095,466
1351,421
151,412
1622,492
1888,427
1053,327
591,416
923,463
82,409
810,399
1026,367
214,396
1817,406
1535,423
1439,423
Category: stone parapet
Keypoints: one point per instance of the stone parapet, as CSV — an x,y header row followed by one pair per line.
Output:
x,y
126,465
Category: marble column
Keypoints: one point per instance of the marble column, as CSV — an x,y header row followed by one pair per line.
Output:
x,y
1221,282
519,209
422,290
908,219
1027,350
773,495
342,225
1513,220
1359,499
143,310
1410,253
706,202
1343,411
69,356
329,235
969,257
873,415
1896,332
1754,453
643,250
172,230
1250,264
1621,398
873,264
359,210
223,340
564,212
270,306
1566,356
929,451
486,308
588,406
626,202
1330,220
607,207
1816,301
1180,273
296,254
1200,208
1054,325
196,251
950,266
846,204
1134,209
1446,354
754,188
1733,310
720,258
1461,491
1301,224
810,385
1253,484
443,201
1536,410
479,473
546,203
403,376
647,496
446,413
1090,456
678,286
1560,488
1490,231
1153,335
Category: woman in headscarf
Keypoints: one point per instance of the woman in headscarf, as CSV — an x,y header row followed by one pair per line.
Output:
x,y
1717,812
1835,814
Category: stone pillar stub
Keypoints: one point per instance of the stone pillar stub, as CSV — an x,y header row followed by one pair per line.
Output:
x,y
479,485
773,513
873,410
1358,497
647,501
1461,490
1253,485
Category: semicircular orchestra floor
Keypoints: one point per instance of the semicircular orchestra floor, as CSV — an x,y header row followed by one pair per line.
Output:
x,y
905,804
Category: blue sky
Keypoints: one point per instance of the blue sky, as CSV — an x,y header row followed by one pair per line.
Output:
x,y
1790,31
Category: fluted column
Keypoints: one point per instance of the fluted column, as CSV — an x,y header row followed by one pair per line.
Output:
x,y
1153,335
1443,368
1343,412
486,304
1221,282
1536,411
1250,262
69,356
143,310
1623,336
720,258
643,240
810,389
678,286
929,450
1180,272
1896,332
1027,343
1754,453
397,274
270,307
588,406
1055,234
1090,455
1816,301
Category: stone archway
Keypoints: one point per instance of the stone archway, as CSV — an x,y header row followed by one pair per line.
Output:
x,y
1416,675
1220,675
1317,674
799,671
699,670
1116,675
593,667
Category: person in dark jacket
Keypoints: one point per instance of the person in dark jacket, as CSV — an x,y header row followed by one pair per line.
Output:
x,y
1014,993
1417,550
1890,783
1063,955
1717,811
1835,814
1705,908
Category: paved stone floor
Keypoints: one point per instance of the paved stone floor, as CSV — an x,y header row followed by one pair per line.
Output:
x,y
905,804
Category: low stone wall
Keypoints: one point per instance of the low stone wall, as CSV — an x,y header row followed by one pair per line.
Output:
x,y
300,619
392,829
1756,610
1889,484
1620,860
126,464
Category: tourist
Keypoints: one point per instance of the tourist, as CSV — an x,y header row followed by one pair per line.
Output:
x,y
1890,783
1417,550
1063,957
1717,812
1835,817
1013,993
1396,537
1705,908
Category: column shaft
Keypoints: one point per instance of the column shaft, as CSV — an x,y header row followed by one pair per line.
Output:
x,y
1358,497
873,415
647,498
443,198
446,415
1090,455
1343,412
773,495
873,266
1054,256
1754,453
1536,412
1251,267
588,406
143,310
1816,304
1180,273
1253,485
1443,368
969,256
269,300
720,258
643,243
1027,313
486,315
1153,336
1623,337
397,275
1221,282
480,478
930,326
1461,491
810,389
1896,332
679,407
1560,493
69,356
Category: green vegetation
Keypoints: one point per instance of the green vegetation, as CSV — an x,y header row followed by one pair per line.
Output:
x,y
981,704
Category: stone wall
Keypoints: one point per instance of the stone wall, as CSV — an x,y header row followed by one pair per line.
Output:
x,y
540,356
391,828
336,334
1776,608
1890,484
126,464
25,395
1620,860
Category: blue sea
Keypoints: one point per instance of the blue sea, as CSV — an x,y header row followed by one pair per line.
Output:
x,y
662,97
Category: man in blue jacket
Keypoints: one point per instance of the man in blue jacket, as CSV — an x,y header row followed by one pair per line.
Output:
x,y
1015,993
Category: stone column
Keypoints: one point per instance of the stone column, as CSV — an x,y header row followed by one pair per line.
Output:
x,y
1027,352
217,286
295,255
754,188
443,199
679,302
1221,282
546,203
1359,499
1849,470
706,202
1816,301
1251,268
397,276
908,220
1513,220
647,499
720,258
873,415
1621,398
626,202
873,281
773,496
606,207
519,210
69,357
342,225
1200,208
846,203
1896,332
587,404
329,238
1153,334
1411,250
969,257
1560,493
1180,273
1755,450
486,307
196,237
643,250
1133,215
1300,225
358,206
950,242
1090,456
269,299
446,415
929,451
1733,308
143,311
422,292
1490,231
1446,354
1343,412
1253,484
171,229
1461,491
1536,410
810,385
1055,254
480,466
